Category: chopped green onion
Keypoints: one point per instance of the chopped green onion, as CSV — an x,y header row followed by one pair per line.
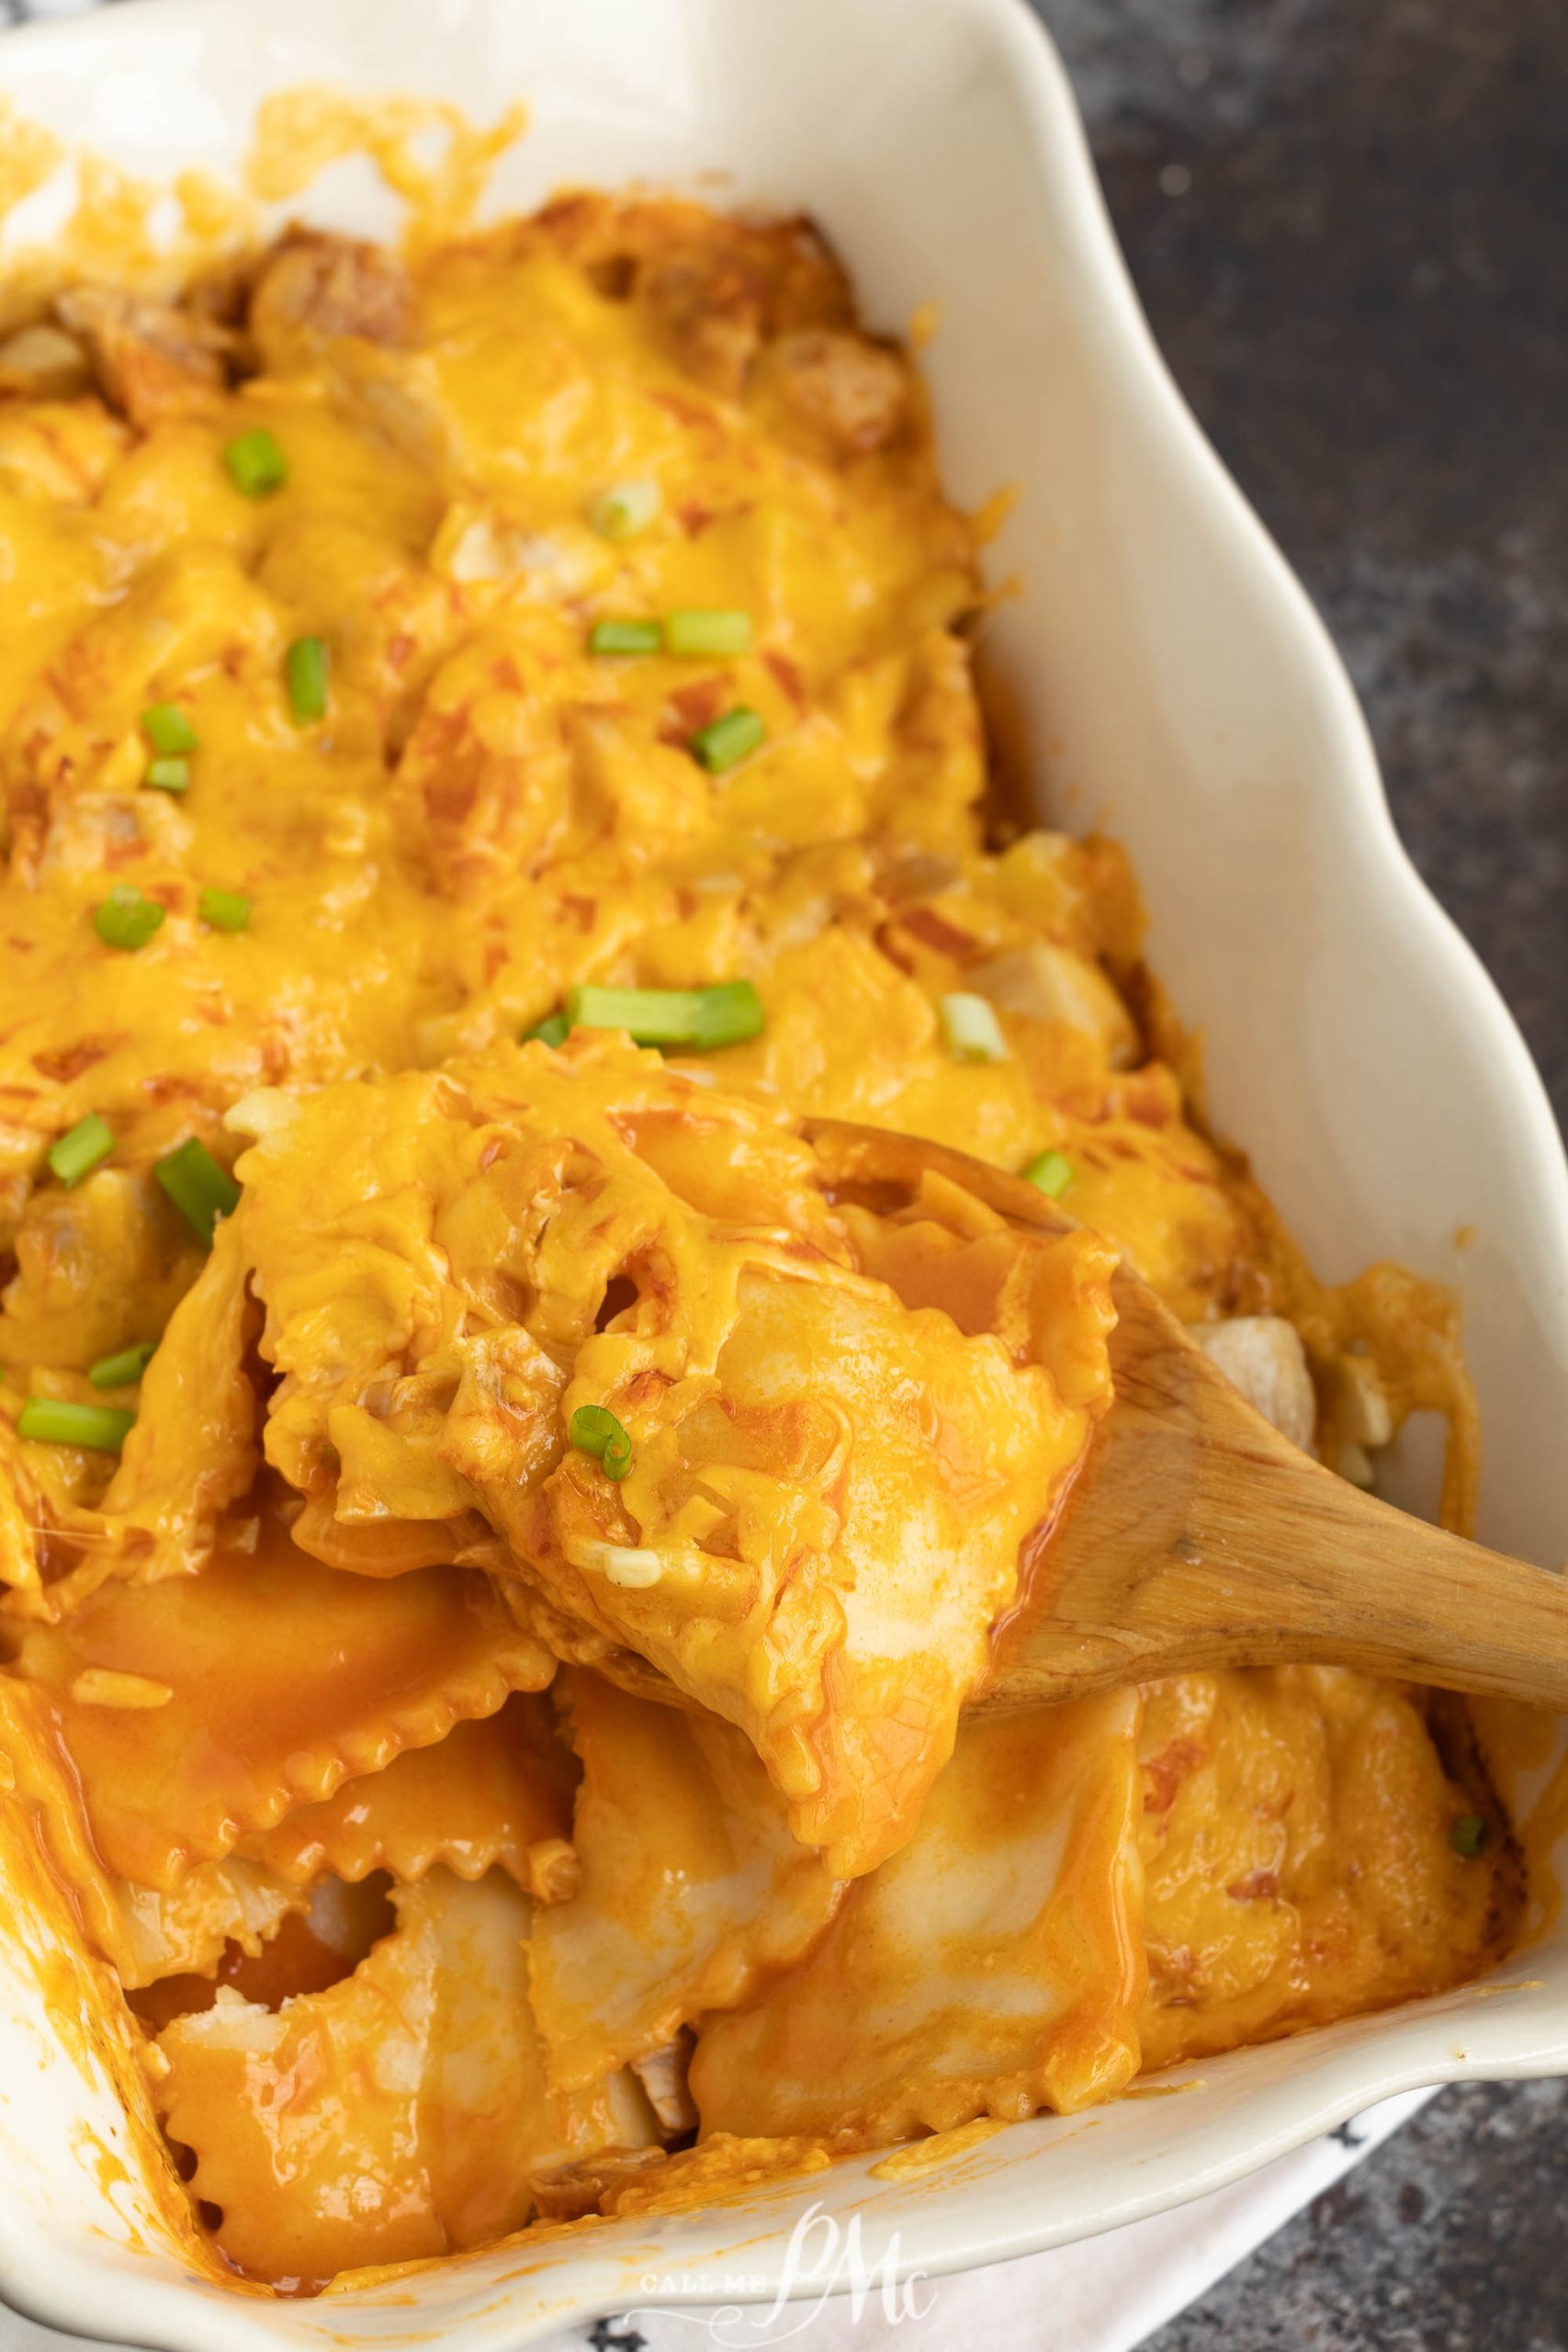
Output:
x,y
224,909
553,1030
623,509
625,637
255,463
1468,1835
700,1018
52,1421
728,1015
126,918
80,1149
119,1371
199,1187
973,1032
595,1430
305,666
1052,1172
168,776
725,741
693,633
167,728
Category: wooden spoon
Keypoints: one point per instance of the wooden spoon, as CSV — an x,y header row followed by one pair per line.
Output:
x,y
1195,1535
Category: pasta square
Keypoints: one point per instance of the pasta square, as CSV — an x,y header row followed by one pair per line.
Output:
x,y
825,1491
993,1967
400,2113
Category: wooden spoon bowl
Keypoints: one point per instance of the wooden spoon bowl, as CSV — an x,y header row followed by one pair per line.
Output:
x,y
1195,1535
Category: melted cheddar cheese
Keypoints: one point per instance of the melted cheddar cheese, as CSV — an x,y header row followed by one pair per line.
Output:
x,y
829,1482
474,1815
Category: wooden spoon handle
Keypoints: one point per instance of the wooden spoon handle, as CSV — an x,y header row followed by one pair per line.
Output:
x,y
1362,1585
1200,1537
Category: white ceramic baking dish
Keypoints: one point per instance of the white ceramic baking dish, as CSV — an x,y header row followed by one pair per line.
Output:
x,y
1162,674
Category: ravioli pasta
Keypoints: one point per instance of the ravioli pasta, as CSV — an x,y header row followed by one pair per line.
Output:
x,y
498,1537
829,1487
692,1891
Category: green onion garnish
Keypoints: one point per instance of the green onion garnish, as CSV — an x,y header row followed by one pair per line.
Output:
x,y
126,918
692,634
305,667
700,1018
52,1421
167,728
1052,1172
199,1187
595,1430
256,465
1468,1835
81,1147
168,776
119,1371
973,1032
625,637
224,909
626,508
553,1030
727,742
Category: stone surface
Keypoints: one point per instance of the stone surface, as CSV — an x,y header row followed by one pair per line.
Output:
x,y
1350,227
1449,2239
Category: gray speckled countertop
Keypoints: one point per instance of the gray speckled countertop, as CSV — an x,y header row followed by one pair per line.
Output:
x,y
1350,225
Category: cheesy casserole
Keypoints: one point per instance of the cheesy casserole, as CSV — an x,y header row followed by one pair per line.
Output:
x,y
489,749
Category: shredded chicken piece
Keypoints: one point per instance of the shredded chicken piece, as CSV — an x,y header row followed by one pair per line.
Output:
x,y
1050,983
662,2073
315,284
152,362
852,393
705,306
43,362
1263,1355
1366,1417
